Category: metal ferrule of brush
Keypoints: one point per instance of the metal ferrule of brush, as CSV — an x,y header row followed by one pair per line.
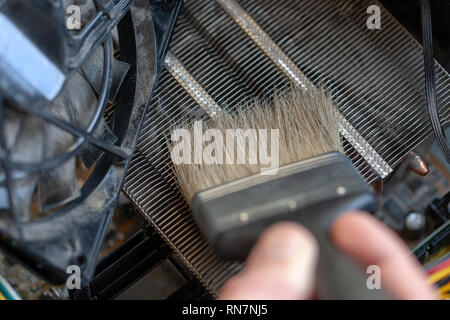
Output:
x,y
312,192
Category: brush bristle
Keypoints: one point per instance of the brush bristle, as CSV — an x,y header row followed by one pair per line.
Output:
x,y
307,125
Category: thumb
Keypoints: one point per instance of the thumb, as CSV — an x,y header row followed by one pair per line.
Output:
x,y
281,266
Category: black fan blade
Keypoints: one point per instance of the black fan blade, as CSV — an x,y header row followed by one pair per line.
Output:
x,y
82,102
27,146
22,193
59,185
93,71
12,123
90,154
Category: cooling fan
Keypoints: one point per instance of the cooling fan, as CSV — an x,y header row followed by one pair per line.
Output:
x,y
71,104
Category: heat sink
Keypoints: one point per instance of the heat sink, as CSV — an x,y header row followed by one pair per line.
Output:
x,y
228,52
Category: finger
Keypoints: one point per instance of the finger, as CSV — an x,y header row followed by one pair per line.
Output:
x,y
281,266
368,241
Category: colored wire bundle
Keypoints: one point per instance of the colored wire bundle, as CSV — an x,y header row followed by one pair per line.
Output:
x,y
439,275
7,292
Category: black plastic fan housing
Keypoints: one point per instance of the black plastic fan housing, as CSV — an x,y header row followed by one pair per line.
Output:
x,y
81,95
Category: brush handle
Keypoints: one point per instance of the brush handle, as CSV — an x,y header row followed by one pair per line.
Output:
x,y
338,276
233,216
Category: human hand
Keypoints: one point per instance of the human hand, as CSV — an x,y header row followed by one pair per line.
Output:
x,y
282,264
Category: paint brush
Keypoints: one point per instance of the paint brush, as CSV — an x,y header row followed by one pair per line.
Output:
x,y
299,174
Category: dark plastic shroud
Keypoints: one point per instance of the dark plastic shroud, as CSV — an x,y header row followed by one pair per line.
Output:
x,y
74,234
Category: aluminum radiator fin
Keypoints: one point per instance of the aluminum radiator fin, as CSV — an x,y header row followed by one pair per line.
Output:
x,y
375,77
152,187
361,68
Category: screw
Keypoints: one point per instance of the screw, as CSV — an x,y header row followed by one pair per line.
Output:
x,y
292,204
243,216
341,190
